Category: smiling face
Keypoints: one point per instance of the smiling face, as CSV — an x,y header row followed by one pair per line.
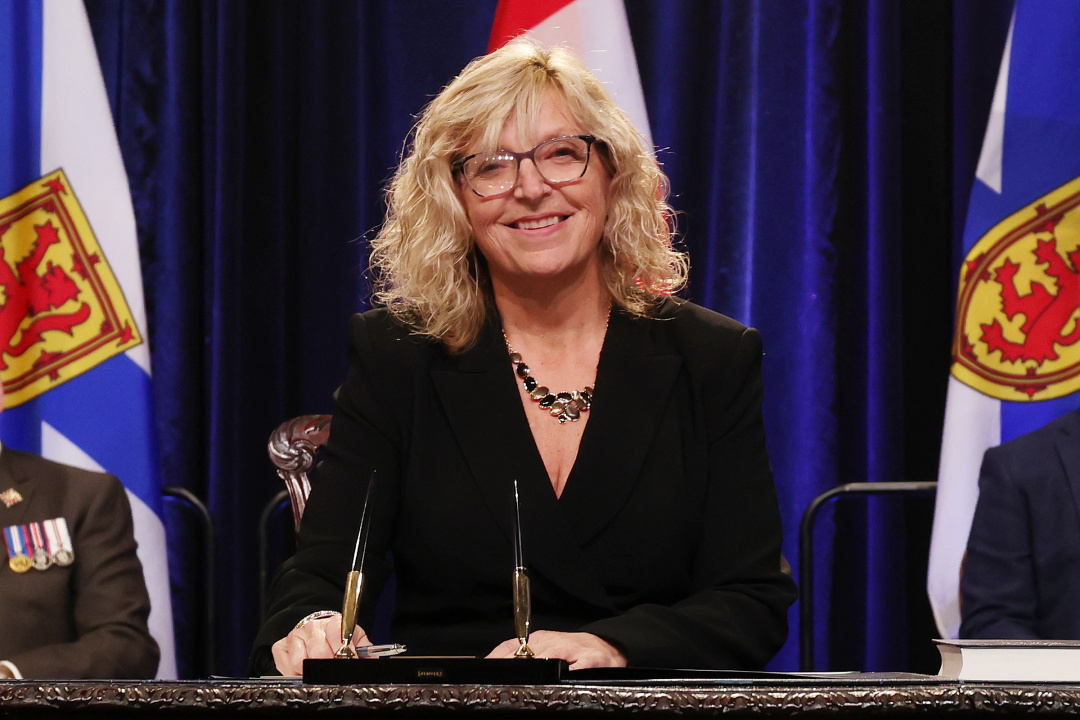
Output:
x,y
536,231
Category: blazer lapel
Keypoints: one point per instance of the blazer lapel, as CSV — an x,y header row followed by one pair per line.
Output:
x,y
634,376
478,390
480,399
1068,445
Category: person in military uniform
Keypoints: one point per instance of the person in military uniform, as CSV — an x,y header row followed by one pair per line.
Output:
x,y
73,600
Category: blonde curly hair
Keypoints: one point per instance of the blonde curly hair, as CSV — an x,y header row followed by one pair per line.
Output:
x,y
428,272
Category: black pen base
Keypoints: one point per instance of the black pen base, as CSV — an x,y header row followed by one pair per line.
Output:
x,y
435,670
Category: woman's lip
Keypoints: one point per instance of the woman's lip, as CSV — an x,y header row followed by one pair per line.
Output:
x,y
538,223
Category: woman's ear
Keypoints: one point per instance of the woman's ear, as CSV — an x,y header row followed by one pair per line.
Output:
x,y
460,188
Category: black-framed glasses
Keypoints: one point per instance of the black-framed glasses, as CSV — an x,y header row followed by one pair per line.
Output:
x,y
558,160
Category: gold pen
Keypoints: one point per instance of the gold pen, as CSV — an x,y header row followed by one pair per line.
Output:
x,y
522,599
354,581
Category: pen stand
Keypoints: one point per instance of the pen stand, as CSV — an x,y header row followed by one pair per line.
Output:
x,y
435,670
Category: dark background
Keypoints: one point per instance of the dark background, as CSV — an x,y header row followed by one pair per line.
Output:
x,y
820,151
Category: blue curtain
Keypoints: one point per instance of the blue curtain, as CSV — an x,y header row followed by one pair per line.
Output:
x,y
820,153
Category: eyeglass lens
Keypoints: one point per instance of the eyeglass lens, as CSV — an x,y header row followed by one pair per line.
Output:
x,y
559,160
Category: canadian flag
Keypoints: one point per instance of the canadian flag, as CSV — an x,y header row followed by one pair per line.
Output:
x,y
595,30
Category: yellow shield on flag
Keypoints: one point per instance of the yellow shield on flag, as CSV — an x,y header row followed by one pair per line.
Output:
x,y
1018,313
61,310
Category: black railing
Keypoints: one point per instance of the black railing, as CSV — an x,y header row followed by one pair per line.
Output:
x,y
209,571
806,550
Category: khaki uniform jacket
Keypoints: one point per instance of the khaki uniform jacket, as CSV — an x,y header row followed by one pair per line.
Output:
x,y
86,620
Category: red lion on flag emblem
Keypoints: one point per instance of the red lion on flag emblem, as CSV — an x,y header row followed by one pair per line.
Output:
x,y
1046,314
61,309
35,296
1018,314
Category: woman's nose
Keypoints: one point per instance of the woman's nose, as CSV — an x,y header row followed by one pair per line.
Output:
x,y
530,183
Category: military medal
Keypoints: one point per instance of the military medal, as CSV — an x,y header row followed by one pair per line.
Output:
x,y
41,558
39,545
18,560
56,533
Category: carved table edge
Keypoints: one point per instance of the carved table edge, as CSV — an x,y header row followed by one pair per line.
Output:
x,y
756,699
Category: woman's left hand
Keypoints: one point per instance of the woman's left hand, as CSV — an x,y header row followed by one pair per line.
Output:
x,y
581,650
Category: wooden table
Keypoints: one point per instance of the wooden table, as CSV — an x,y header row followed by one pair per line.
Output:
x,y
866,696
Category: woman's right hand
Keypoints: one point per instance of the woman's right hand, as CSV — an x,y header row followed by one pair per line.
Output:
x,y
314,639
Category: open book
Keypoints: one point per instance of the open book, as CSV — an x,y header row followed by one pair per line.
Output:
x,y
1010,660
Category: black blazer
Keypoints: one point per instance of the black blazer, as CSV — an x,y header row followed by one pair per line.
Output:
x,y
88,619
1021,576
665,541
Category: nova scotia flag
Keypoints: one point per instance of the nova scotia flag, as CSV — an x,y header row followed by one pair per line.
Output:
x,y
1016,353
76,365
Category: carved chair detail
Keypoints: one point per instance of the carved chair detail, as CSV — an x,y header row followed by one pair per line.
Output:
x,y
292,449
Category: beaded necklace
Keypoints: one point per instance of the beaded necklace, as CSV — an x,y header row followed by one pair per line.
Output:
x,y
563,406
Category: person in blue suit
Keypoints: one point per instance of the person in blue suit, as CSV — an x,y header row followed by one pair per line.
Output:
x,y
1021,575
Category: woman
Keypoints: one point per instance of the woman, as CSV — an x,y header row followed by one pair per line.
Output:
x,y
527,259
